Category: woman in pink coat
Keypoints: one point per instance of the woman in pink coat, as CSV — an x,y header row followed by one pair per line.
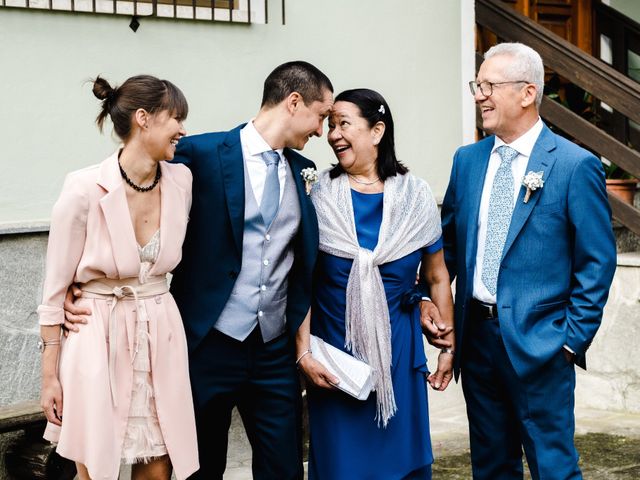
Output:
x,y
116,231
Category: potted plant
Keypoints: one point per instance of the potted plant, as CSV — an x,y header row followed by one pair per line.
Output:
x,y
620,182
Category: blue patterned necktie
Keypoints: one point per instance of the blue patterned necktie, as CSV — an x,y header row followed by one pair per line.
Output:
x,y
499,218
271,194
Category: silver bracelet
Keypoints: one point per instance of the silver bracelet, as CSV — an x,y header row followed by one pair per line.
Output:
x,y
450,351
306,352
42,343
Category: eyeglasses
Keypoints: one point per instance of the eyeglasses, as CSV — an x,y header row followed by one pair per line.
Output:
x,y
486,88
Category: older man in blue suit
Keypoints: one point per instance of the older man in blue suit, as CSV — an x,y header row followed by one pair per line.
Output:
x,y
527,232
244,284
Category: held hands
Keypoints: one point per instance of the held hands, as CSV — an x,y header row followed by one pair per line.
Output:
x,y
432,326
443,375
316,373
51,400
73,314
441,336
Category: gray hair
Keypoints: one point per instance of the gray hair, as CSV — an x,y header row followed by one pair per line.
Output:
x,y
527,65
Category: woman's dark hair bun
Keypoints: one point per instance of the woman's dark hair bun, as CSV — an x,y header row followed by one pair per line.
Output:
x,y
101,88
140,91
105,92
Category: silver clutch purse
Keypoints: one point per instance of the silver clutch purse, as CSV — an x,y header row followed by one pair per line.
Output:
x,y
355,376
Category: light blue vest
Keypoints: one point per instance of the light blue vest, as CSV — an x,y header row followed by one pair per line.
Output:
x,y
259,295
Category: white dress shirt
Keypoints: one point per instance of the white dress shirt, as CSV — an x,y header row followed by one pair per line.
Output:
x,y
523,145
253,145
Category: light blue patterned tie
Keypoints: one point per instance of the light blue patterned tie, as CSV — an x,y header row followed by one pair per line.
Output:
x,y
500,210
271,194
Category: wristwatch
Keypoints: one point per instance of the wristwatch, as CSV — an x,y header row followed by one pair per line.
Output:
x,y
450,351
42,343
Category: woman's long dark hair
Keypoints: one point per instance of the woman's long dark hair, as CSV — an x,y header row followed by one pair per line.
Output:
x,y
373,108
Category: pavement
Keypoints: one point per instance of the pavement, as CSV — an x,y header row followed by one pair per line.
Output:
x,y
449,436
608,439
450,439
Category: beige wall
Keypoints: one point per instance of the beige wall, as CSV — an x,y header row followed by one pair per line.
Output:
x,y
409,51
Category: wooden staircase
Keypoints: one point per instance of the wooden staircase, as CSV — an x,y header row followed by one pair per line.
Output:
x,y
589,73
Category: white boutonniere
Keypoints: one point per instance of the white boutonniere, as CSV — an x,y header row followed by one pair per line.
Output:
x,y
310,177
533,181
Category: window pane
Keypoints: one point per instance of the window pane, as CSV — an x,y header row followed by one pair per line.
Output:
x,y
633,65
218,10
606,54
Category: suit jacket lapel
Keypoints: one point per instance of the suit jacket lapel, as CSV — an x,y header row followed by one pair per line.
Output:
x,y
475,183
308,220
118,219
172,201
232,165
541,160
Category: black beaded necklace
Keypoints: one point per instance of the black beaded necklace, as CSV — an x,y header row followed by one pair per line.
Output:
x,y
138,187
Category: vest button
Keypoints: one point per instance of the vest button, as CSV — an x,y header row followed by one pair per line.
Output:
x,y
261,314
266,262
267,237
263,288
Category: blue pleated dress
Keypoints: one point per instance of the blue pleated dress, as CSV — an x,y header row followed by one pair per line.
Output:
x,y
345,440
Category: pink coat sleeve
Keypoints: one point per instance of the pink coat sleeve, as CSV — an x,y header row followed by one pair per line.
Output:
x,y
67,236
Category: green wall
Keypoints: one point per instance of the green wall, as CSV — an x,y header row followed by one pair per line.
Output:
x,y
409,51
630,8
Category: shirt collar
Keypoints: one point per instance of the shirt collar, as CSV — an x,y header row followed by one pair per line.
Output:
x,y
525,143
254,142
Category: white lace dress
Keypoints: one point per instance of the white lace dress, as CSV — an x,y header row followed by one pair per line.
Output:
x,y
143,439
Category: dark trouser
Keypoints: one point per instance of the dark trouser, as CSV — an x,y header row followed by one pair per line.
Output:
x,y
507,413
261,380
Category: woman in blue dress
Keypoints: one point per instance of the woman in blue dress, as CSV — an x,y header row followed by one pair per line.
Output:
x,y
378,225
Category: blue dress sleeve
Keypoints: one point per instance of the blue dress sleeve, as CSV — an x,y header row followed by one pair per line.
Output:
x,y
434,247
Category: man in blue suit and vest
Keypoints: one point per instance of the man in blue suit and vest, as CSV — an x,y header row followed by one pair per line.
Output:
x,y
527,232
244,284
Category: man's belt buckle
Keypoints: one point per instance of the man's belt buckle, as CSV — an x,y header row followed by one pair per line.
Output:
x,y
489,310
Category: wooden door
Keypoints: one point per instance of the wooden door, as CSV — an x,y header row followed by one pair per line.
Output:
x,y
570,19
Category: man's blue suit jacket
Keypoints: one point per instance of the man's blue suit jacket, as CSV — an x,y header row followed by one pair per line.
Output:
x,y
559,256
212,250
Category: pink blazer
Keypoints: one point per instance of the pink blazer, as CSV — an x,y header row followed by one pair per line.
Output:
x,y
91,234
92,237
